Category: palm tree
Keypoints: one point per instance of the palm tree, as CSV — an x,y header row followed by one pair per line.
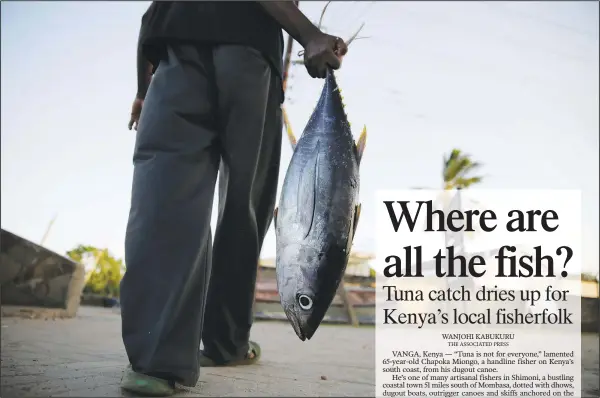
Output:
x,y
457,169
456,175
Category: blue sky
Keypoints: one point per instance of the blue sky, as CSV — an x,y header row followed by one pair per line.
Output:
x,y
514,84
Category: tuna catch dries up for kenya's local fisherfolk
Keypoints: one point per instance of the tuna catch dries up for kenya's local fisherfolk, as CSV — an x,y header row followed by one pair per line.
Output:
x,y
318,212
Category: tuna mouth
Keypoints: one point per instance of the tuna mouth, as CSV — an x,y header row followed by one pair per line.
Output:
x,y
300,332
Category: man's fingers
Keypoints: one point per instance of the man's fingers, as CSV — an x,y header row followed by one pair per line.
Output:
x,y
133,122
341,48
322,73
333,61
311,71
136,110
319,70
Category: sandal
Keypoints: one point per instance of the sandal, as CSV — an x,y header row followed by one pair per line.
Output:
x,y
145,385
250,358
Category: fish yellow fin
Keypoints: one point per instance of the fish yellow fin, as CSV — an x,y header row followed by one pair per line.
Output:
x,y
361,143
275,216
288,128
356,217
353,224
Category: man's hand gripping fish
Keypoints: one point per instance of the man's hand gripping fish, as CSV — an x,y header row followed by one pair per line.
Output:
x,y
318,212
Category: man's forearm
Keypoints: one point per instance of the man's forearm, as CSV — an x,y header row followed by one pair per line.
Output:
x,y
292,20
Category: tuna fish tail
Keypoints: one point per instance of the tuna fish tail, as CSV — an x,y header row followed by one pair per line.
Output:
x,y
331,98
355,35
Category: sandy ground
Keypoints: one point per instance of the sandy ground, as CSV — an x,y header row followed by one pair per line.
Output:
x,y
84,357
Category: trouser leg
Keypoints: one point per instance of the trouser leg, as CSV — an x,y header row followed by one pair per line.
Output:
x,y
168,240
249,102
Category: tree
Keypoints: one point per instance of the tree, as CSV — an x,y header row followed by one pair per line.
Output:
x,y
105,276
457,171
456,175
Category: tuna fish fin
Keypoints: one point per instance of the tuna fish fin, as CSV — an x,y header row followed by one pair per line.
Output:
x,y
275,215
360,144
356,217
288,128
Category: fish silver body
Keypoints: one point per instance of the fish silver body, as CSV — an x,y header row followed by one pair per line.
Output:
x,y
315,221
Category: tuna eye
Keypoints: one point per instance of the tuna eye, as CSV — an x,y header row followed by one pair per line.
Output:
x,y
305,302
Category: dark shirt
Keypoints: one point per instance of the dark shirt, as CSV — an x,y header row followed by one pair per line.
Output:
x,y
211,22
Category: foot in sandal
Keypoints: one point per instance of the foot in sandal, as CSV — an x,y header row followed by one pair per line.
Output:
x,y
250,358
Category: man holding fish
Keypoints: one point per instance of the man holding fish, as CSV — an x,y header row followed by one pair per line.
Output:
x,y
213,105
